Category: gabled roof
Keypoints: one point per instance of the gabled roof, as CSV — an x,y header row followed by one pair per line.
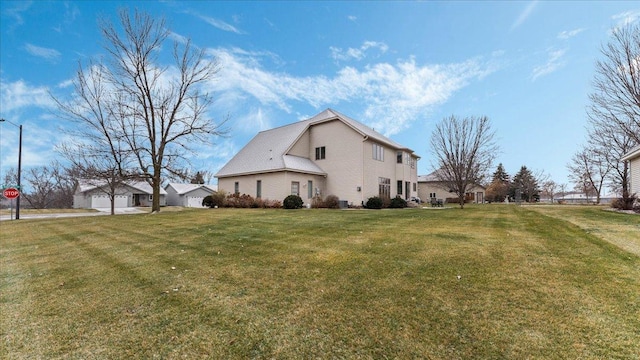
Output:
x,y
182,189
142,187
268,150
433,177
634,153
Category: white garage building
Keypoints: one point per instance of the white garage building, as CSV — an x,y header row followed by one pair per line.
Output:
x,y
93,195
188,195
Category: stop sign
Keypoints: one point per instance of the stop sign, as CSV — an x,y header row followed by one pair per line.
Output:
x,y
11,193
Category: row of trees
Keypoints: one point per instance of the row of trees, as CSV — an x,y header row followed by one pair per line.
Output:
x,y
613,114
524,186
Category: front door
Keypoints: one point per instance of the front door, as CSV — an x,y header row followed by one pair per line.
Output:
x,y
480,197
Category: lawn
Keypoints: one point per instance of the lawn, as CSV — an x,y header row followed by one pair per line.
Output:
x,y
494,281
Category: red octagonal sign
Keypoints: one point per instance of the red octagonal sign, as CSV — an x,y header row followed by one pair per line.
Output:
x,y
11,193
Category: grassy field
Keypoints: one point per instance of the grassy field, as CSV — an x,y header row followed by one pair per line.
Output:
x,y
484,282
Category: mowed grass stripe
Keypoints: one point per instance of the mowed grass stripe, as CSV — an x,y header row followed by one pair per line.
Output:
x,y
319,283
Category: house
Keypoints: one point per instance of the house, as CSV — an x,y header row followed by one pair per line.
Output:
x,y
633,157
430,187
93,195
328,154
188,195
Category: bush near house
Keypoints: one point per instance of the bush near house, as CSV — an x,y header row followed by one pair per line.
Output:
x,y
292,202
374,202
398,203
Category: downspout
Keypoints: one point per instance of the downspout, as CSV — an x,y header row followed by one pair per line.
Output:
x,y
366,137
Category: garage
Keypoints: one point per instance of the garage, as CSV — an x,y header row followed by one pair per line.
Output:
x,y
102,201
194,201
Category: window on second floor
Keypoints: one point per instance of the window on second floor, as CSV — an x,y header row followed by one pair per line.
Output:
x,y
320,153
378,152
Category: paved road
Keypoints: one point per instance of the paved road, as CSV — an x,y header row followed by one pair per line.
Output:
x,y
100,212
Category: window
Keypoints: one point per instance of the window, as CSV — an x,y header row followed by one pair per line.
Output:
x,y
414,187
150,197
432,195
320,153
259,189
384,187
309,189
236,188
378,152
399,157
399,187
295,188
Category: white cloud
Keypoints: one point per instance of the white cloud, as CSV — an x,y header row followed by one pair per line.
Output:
x,y
45,53
626,18
19,94
352,18
554,62
357,53
392,95
564,35
524,15
217,23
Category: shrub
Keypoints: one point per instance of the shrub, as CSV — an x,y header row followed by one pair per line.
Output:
x,y
374,203
292,202
398,203
621,204
208,201
317,202
239,201
332,202
215,199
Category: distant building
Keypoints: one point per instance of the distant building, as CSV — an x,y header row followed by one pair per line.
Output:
x,y
430,187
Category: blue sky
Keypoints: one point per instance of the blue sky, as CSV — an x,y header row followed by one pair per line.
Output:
x,y
399,67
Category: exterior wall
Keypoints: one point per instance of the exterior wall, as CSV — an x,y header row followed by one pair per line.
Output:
x,y
343,162
442,192
634,171
173,198
275,186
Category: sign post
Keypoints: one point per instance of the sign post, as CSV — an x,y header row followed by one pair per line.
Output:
x,y
11,193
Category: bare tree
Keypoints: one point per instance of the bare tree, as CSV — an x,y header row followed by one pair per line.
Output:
x,y
589,170
464,150
96,147
614,110
616,95
135,109
549,189
167,108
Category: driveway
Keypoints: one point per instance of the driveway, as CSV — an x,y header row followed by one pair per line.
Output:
x,y
100,212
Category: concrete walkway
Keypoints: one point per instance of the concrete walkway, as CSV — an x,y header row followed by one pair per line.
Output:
x,y
100,212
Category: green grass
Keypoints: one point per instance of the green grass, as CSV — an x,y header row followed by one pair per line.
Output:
x,y
245,283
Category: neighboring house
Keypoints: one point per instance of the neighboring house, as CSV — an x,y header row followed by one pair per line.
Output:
x,y
89,195
328,154
188,195
633,157
582,198
430,187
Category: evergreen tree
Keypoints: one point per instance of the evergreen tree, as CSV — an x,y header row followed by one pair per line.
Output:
x,y
498,190
526,182
500,175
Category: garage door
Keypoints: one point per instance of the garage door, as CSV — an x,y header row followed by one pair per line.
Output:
x,y
194,201
102,201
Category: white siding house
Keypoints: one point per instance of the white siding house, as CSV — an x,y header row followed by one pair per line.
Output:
x,y
188,195
633,157
430,187
93,195
328,154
